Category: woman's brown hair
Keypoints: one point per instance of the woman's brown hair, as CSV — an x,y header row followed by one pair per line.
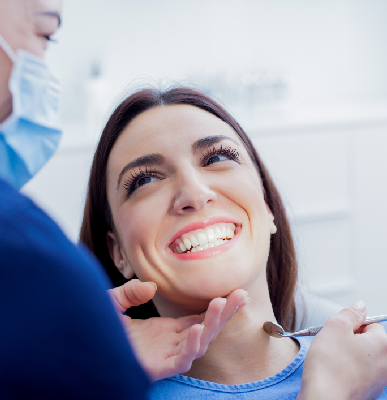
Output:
x,y
97,219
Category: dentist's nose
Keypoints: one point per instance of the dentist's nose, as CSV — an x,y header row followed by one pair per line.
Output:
x,y
193,194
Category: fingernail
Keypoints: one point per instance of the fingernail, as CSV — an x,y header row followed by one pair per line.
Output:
x,y
155,285
246,301
224,303
359,305
245,294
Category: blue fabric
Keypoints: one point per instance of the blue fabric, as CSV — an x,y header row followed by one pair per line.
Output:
x,y
284,385
60,337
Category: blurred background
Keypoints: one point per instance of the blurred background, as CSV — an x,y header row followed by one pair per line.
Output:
x,y
306,79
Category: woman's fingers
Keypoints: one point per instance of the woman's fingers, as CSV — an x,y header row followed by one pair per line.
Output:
x,y
183,323
346,359
188,353
175,344
133,293
347,321
176,361
375,328
211,323
235,300
219,312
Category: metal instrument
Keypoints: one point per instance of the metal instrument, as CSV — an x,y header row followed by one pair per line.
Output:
x,y
276,330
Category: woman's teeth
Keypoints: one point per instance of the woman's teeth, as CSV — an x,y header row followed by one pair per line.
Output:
x,y
203,239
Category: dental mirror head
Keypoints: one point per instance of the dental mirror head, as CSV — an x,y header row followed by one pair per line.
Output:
x,y
273,329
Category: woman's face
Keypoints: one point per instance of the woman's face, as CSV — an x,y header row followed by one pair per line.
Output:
x,y
177,178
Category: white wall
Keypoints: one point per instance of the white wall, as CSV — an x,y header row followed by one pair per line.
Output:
x,y
327,51
323,136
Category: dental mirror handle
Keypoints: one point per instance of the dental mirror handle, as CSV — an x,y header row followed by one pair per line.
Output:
x,y
314,330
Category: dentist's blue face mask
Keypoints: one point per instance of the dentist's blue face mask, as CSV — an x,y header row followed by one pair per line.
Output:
x,y
30,135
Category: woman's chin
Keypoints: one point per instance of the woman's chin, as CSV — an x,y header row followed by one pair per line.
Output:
x,y
210,289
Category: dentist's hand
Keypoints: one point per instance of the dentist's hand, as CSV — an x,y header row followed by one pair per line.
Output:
x,y
167,346
342,364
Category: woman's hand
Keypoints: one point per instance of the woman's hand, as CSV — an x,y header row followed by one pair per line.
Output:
x,y
343,365
167,346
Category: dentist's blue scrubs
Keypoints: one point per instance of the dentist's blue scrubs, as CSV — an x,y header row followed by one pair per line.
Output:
x,y
60,337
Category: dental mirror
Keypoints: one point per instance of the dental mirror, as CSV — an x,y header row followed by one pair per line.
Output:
x,y
274,329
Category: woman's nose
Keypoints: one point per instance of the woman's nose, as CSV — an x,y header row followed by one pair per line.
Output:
x,y
193,194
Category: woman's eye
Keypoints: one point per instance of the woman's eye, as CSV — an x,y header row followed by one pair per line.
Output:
x,y
136,181
144,180
216,158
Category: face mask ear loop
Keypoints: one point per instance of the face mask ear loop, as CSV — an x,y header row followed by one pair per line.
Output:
x,y
7,48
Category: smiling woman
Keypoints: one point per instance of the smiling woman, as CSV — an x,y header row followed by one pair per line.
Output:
x,y
179,196
216,155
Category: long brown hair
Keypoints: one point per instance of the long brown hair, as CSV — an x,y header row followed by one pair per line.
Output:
x,y
97,219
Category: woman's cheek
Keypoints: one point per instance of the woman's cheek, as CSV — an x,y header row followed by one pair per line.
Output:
x,y
140,224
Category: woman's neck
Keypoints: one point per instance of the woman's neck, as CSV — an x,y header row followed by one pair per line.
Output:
x,y
243,352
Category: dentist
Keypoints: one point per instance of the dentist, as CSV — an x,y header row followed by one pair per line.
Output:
x,y
60,331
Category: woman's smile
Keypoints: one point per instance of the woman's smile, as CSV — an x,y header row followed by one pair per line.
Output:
x,y
204,235
202,239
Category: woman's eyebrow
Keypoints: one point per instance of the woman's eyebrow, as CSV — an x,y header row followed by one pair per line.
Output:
x,y
209,141
149,159
52,14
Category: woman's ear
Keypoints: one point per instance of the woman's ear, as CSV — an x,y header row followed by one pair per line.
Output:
x,y
118,257
273,227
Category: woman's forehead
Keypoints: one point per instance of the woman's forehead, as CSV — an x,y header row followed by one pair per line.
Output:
x,y
173,123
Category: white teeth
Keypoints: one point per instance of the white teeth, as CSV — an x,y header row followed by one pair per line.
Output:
x,y
211,235
187,243
202,238
194,241
217,242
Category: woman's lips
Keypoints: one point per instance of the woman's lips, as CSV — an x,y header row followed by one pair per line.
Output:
x,y
202,225
210,252
202,239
